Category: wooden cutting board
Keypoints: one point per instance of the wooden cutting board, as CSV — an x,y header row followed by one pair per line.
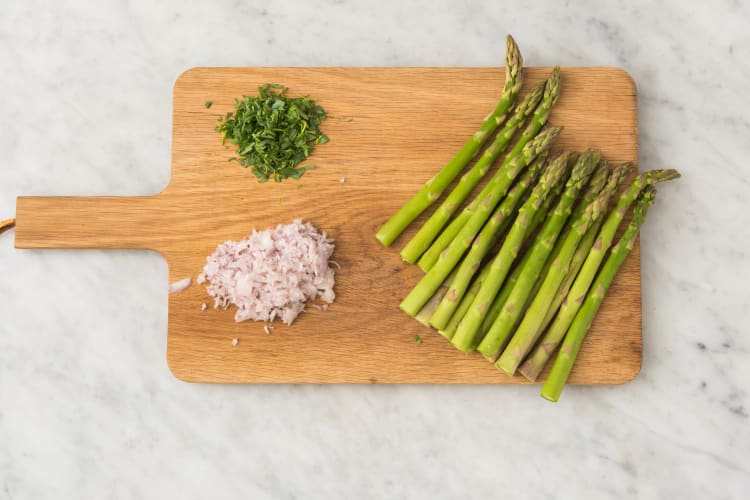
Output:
x,y
390,130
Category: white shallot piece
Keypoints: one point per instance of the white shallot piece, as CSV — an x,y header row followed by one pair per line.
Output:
x,y
272,273
179,286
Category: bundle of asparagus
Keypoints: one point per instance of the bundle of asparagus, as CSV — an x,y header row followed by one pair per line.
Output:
x,y
523,260
434,187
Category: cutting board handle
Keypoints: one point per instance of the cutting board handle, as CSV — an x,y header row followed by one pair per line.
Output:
x,y
88,222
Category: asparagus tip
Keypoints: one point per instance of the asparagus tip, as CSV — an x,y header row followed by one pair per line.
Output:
x,y
513,65
622,171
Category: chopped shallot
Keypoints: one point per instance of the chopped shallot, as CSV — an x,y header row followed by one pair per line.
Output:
x,y
272,273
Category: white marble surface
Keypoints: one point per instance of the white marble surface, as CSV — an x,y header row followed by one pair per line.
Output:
x,y
88,408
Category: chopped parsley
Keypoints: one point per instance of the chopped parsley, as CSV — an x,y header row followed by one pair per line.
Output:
x,y
273,133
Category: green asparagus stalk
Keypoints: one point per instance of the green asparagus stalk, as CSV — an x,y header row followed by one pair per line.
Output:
x,y
468,298
598,180
496,337
510,282
458,315
426,288
482,244
421,241
434,187
471,293
424,314
563,365
573,299
500,264
597,183
534,364
538,120
507,287
575,265
529,329
537,359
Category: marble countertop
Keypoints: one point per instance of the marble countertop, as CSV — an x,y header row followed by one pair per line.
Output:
x,y
88,408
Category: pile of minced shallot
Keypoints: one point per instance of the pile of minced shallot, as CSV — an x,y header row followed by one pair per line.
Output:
x,y
272,273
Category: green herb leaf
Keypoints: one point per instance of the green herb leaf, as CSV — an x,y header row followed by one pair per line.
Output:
x,y
273,133
209,104
417,339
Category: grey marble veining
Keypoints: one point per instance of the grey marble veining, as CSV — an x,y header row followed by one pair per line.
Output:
x,y
88,408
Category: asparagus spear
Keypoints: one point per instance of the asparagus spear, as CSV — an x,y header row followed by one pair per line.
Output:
x,y
534,364
528,369
482,244
585,316
434,187
597,183
507,287
573,299
421,241
458,315
497,335
471,293
468,298
424,314
598,179
530,327
426,288
467,329
538,120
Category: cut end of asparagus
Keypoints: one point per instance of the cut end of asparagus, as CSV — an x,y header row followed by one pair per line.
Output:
x,y
529,375
466,349
424,265
445,334
508,370
489,356
411,305
383,237
550,396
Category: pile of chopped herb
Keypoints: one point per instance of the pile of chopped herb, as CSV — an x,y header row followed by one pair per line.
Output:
x,y
273,133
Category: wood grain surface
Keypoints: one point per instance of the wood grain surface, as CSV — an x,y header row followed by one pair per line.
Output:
x,y
390,130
